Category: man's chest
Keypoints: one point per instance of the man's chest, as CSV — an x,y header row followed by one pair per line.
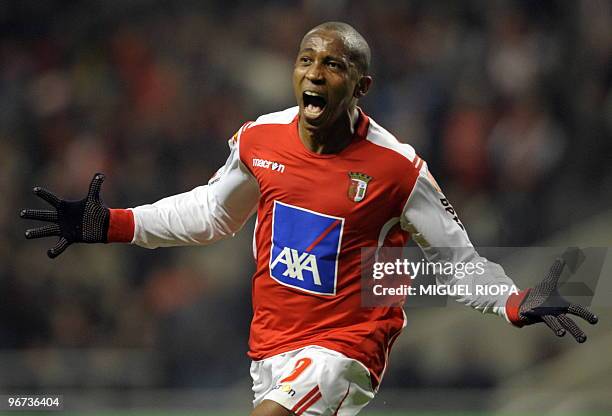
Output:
x,y
337,186
349,196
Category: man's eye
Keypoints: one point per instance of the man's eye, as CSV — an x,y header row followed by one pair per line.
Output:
x,y
334,65
305,59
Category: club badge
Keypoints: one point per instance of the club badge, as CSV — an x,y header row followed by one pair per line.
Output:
x,y
358,186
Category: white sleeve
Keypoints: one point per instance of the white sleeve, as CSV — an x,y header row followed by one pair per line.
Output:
x,y
202,215
436,228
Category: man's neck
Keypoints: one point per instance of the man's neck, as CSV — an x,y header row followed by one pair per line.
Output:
x,y
332,140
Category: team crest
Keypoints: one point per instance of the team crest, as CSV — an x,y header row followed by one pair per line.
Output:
x,y
358,186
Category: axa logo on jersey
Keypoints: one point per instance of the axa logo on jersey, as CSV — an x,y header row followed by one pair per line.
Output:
x,y
297,263
305,248
268,164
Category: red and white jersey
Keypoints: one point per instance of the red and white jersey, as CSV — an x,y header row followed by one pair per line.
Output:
x,y
315,212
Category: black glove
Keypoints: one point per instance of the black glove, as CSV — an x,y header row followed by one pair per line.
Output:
x,y
84,221
544,303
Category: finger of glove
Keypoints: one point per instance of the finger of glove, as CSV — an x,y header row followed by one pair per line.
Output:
x,y
47,196
95,186
59,248
573,329
44,231
555,271
583,312
553,323
39,214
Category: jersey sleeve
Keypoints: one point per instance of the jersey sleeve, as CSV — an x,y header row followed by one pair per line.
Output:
x,y
204,214
437,230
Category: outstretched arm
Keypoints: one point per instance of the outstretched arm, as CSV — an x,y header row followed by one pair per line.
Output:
x,y
203,215
436,228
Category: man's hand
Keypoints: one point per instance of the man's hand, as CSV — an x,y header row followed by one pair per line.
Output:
x,y
84,221
544,303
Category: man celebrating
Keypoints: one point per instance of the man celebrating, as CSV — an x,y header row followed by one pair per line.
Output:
x,y
325,181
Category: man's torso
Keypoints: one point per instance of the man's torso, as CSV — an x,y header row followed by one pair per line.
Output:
x,y
315,214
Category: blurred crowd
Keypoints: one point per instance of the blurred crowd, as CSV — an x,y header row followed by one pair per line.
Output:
x,y
510,102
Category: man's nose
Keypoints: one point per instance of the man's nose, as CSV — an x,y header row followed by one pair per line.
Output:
x,y
315,74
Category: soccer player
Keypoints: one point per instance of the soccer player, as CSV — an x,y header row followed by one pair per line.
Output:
x,y
325,181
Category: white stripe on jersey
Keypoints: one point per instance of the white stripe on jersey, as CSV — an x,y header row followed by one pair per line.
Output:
x,y
381,137
279,117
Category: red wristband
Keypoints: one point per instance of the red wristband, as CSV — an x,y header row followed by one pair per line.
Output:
x,y
120,226
513,305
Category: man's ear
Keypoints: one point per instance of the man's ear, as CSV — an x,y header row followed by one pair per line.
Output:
x,y
363,86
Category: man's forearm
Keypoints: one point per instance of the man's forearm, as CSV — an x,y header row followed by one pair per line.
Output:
x,y
190,218
435,227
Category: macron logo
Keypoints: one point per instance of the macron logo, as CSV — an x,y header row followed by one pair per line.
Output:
x,y
268,164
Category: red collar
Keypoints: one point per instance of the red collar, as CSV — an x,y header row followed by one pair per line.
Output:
x,y
363,124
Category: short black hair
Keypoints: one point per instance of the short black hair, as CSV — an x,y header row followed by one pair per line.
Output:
x,y
358,48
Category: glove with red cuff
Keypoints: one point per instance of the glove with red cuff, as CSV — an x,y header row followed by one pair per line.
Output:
x,y
84,221
544,303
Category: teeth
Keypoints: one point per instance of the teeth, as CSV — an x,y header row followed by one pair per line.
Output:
x,y
314,94
313,109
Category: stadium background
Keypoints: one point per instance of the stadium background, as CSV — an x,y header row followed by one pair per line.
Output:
x,y
509,101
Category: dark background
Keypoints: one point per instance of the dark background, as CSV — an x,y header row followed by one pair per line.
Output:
x,y
510,102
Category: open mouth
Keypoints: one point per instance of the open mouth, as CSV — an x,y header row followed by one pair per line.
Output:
x,y
314,103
